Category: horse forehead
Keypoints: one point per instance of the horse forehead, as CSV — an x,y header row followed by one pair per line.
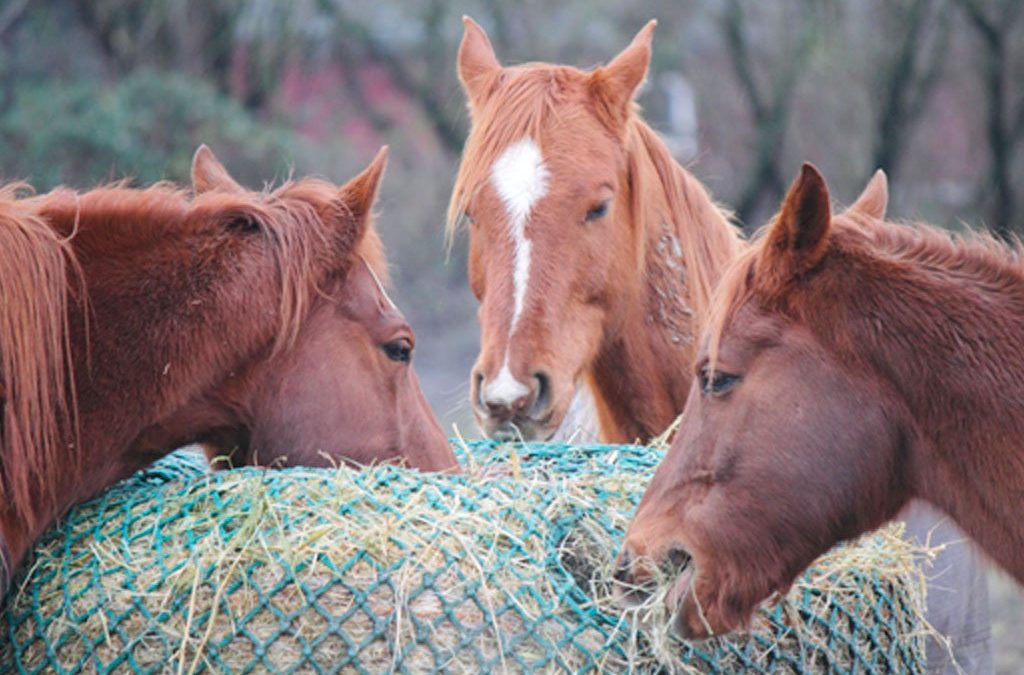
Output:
x,y
520,176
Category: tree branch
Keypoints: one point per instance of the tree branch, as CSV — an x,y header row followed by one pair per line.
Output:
x,y
10,16
739,56
448,129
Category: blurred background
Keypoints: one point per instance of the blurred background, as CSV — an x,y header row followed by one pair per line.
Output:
x,y
930,90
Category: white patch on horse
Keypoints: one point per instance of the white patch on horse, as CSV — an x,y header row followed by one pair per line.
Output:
x,y
505,389
521,180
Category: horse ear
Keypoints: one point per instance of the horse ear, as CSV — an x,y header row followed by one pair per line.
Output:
x,y
799,237
477,63
874,198
359,194
209,174
617,83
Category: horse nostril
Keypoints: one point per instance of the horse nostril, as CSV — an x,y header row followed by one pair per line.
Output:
x,y
623,568
543,399
678,560
478,390
634,582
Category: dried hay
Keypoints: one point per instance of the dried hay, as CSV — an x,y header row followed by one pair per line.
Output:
x,y
302,570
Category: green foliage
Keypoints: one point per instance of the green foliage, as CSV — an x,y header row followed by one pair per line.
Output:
x,y
146,127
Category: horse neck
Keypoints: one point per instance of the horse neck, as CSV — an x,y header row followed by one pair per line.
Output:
x,y
957,362
642,373
188,326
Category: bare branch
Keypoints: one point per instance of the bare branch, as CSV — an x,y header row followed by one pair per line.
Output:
x,y
448,128
976,15
739,55
10,15
771,111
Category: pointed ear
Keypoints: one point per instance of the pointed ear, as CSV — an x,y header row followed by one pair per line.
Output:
x,y
799,236
209,174
617,83
360,193
478,66
874,198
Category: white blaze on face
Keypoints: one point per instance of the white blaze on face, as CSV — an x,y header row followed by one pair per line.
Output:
x,y
520,178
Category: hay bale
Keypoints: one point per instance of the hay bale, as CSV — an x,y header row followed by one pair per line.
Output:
x,y
306,570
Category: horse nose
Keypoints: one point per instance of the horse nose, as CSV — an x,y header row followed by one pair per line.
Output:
x,y
623,568
506,397
638,573
633,580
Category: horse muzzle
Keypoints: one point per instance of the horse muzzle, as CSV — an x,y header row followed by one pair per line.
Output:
x,y
507,409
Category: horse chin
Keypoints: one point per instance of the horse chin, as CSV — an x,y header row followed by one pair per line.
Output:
x,y
521,428
527,430
694,618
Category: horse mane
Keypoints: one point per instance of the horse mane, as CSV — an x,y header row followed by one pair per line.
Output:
x,y
294,218
706,234
39,421
971,256
534,95
42,240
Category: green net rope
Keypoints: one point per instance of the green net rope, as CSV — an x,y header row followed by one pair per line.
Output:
x,y
388,570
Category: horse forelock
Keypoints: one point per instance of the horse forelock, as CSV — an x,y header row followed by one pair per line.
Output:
x,y
523,107
311,229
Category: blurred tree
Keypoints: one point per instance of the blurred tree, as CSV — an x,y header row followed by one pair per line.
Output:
x,y
908,69
418,73
146,126
10,14
769,100
996,22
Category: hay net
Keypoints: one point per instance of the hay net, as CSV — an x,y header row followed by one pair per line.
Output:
x,y
389,570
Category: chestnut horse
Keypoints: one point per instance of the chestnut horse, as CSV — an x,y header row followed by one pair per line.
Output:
x,y
592,252
135,321
849,366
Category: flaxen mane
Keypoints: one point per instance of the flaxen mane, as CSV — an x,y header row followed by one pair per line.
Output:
x,y
534,97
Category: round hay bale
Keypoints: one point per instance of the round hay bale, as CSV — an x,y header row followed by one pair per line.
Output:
x,y
307,570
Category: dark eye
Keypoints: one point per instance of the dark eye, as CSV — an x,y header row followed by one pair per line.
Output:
x,y
467,219
399,350
599,211
717,383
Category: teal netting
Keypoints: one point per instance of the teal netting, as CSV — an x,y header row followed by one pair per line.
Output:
x,y
304,570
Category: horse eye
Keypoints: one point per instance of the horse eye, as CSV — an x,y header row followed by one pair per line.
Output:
x,y
717,383
599,211
399,350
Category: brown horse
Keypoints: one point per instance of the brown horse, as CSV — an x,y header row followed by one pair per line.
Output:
x,y
592,252
138,320
849,366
